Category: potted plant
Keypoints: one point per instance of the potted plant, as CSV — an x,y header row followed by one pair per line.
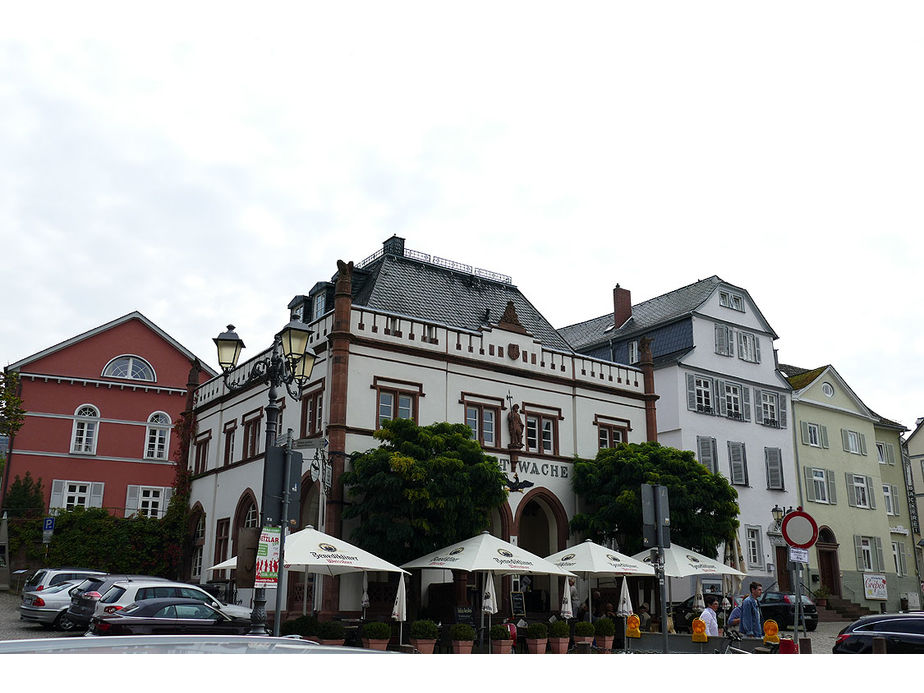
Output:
x,y
463,637
424,634
583,632
537,638
304,626
376,635
559,635
500,639
331,633
605,632
821,595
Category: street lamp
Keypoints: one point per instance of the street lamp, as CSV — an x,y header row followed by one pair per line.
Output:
x,y
288,364
777,513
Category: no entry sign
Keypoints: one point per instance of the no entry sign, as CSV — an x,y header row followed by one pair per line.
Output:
x,y
799,529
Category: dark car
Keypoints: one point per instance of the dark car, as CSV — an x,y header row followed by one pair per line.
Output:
x,y
903,634
684,612
85,596
169,617
781,607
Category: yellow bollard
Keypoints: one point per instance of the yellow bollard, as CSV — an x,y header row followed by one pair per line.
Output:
x,y
632,626
771,632
699,630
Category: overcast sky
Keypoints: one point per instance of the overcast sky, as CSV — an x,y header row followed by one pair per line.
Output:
x,y
203,166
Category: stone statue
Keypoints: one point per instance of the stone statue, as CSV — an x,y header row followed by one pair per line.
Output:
x,y
515,424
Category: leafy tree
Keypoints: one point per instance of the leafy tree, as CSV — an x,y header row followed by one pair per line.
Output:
x,y
25,506
703,505
12,415
423,488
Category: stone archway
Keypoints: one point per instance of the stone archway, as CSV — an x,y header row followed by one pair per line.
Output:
x,y
541,527
828,566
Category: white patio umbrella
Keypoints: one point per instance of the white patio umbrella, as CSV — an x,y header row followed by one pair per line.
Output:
x,y
224,565
588,559
489,554
680,562
567,610
399,610
625,602
365,600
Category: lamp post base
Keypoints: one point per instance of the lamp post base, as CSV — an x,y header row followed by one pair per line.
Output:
x,y
258,615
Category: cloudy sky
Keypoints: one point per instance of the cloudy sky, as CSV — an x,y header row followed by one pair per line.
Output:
x,y
204,165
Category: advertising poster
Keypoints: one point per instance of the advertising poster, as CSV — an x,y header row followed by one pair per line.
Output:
x,y
874,586
267,567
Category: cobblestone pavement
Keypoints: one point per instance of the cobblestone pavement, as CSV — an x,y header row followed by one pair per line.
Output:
x,y
11,628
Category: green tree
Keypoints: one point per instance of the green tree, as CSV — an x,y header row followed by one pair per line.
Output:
x,y
423,488
25,506
12,415
703,505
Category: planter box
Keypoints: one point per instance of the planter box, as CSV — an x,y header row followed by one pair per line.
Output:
x,y
586,639
605,642
536,645
558,645
332,642
501,646
376,644
423,645
462,646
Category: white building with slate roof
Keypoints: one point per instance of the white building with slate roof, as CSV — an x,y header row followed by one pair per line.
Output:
x,y
720,395
404,334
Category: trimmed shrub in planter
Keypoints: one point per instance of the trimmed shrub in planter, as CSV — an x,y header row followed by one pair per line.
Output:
x,y
559,635
463,637
376,635
537,638
583,631
500,639
331,633
605,630
423,635
305,626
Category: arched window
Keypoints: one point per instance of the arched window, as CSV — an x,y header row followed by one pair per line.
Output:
x,y
129,367
197,536
158,437
84,434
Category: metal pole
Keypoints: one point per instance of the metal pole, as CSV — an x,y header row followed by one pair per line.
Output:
x,y
281,591
661,581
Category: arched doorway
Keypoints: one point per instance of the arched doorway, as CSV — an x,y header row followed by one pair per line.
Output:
x,y
541,528
828,567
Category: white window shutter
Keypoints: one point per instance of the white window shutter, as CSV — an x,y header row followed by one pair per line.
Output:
x,y
96,494
131,500
167,494
782,400
832,487
57,494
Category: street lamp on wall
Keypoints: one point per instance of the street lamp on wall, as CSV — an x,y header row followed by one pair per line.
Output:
x,y
289,363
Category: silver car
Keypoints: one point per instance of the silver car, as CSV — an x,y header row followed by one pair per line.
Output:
x,y
48,606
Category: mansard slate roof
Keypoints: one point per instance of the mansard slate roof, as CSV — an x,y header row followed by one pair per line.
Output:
x,y
429,292
645,315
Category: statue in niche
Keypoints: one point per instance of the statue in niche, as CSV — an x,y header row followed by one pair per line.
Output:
x,y
515,424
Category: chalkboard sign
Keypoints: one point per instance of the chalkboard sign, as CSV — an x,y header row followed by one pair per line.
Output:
x,y
464,615
517,604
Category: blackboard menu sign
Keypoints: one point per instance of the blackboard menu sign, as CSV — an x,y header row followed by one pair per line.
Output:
x,y
464,615
517,604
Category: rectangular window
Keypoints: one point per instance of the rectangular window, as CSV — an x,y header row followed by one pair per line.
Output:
x,y
866,553
738,465
76,495
633,351
70,494
813,438
251,446
768,401
704,395
860,491
889,499
483,420
84,437
395,402
150,501
313,414
748,347
898,557
318,306
222,539
230,434
774,461
820,485
733,401
609,436
754,548
854,442
707,452
730,300
541,434
202,454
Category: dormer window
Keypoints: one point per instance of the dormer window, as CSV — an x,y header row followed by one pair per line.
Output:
x,y
319,306
129,367
633,352
729,300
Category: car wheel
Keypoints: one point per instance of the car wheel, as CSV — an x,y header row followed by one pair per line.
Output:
x,y
65,624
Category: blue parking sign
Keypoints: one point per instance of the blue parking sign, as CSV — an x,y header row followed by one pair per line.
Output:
x,y
49,524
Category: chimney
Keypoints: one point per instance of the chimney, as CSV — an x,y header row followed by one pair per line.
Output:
x,y
394,246
622,306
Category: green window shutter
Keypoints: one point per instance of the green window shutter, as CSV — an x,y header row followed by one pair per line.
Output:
x,y
824,436
890,453
832,487
901,558
862,444
858,547
895,504
851,491
870,492
809,484
845,439
880,563
691,392
805,433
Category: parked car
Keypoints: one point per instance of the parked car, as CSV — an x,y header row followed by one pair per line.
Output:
x,y
49,606
683,612
172,616
903,634
121,594
781,607
85,595
178,644
43,578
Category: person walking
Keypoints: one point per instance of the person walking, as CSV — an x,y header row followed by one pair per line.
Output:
x,y
750,613
708,615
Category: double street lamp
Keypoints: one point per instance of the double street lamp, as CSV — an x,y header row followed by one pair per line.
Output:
x,y
288,364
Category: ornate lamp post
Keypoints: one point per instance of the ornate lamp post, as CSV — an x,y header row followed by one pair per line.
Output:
x,y
288,364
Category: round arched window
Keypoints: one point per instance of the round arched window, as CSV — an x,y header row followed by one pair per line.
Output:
x,y
129,367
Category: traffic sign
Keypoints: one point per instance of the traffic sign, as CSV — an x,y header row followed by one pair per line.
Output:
x,y
48,525
799,529
309,443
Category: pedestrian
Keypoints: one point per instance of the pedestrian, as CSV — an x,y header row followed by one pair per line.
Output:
x,y
750,612
708,615
734,618
644,617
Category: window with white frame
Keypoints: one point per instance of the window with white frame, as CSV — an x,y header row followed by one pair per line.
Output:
x,y
319,306
854,442
820,485
768,402
754,548
541,433
859,490
84,434
898,557
730,300
70,494
703,394
887,499
885,453
733,401
130,367
866,553
633,351
811,434
483,420
748,347
149,501
158,437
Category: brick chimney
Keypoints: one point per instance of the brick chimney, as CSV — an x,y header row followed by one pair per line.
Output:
x,y
622,306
